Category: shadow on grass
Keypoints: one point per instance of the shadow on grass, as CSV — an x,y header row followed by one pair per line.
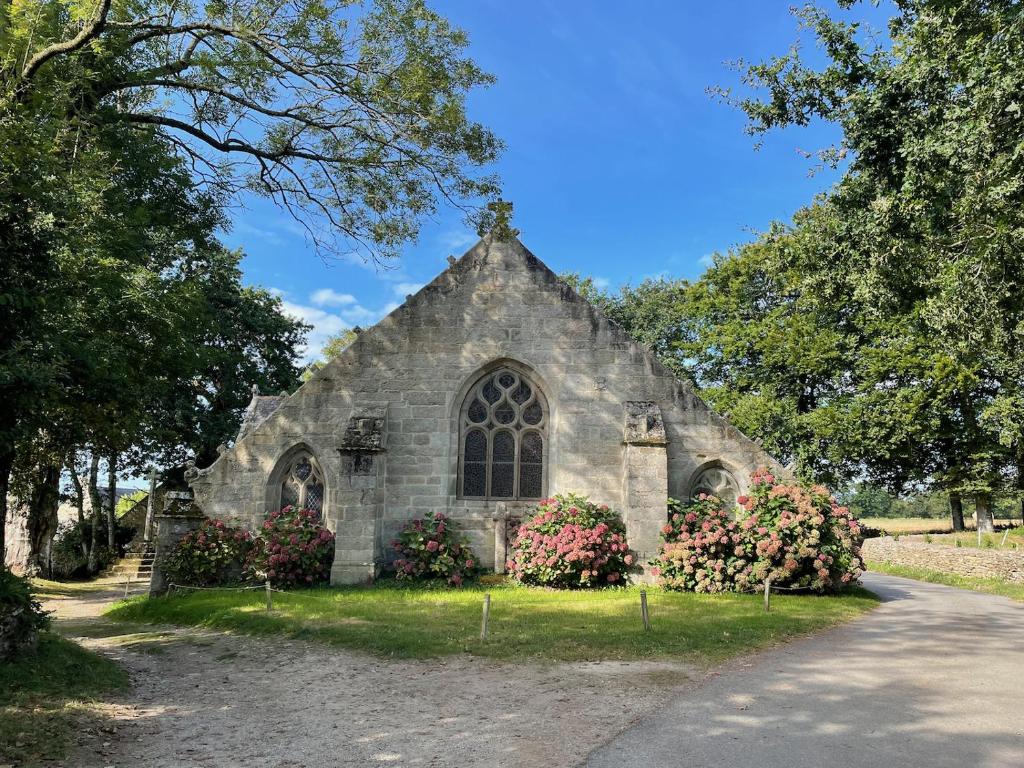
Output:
x,y
525,624
48,697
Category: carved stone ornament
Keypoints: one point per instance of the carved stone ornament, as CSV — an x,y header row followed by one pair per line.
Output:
x,y
644,425
365,431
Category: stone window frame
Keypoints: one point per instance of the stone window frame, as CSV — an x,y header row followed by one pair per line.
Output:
x,y
284,467
698,476
517,429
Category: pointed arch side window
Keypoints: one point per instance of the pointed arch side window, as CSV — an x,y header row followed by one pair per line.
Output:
x,y
303,484
503,438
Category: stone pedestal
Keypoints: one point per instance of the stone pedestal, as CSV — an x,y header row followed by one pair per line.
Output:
x,y
170,528
644,478
359,500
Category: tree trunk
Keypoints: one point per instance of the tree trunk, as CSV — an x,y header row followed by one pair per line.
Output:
x,y
983,512
42,517
956,508
111,501
79,501
6,465
97,510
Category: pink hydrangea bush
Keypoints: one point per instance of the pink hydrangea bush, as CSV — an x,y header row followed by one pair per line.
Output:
x,y
702,549
433,548
796,535
212,555
295,549
571,542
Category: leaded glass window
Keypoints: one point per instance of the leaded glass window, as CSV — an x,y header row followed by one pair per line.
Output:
x,y
503,426
303,484
715,481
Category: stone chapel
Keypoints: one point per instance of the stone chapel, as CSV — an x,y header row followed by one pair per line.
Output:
x,y
494,386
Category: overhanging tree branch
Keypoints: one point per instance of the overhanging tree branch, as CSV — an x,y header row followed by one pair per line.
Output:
x,y
90,31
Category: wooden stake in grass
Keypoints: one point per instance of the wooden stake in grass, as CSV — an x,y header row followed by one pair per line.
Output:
x,y
1005,534
270,601
127,583
767,594
486,616
643,610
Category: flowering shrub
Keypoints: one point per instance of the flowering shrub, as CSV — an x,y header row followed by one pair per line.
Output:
x,y
294,549
432,548
210,556
797,536
571,542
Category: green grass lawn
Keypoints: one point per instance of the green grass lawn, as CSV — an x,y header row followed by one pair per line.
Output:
x,y
46,697
977,584
525,623
916,525
1012,538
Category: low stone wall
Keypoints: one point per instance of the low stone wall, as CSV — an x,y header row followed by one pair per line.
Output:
x,y
962,561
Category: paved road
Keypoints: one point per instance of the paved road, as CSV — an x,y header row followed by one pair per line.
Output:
x,y
933,678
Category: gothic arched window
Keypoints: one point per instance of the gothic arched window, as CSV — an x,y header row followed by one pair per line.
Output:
x,y
303,483
715,481
503,438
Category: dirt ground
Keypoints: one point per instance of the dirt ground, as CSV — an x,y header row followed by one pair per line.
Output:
x,y
205,699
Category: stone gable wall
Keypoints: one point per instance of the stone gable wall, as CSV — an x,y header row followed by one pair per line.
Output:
x,y
496,304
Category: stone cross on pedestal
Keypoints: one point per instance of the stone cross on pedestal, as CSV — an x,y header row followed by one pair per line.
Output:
x,y
500,517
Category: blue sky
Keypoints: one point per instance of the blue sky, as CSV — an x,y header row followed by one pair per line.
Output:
x,y
619,164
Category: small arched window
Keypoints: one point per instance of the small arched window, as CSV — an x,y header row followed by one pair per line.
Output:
x,y
303,483
503,440
715,481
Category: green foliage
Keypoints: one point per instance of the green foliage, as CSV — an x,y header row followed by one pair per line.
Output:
x,y
570,542
352,118
926,229
21,615
526,624
126,502
433,548
212,555
66,558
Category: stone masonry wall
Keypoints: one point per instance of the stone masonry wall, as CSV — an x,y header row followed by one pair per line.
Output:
x,y
962,561
497,305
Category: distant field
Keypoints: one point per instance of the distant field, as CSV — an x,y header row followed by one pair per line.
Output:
x,y
922,524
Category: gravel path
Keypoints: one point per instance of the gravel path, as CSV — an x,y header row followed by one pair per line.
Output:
x,y
932,679
212,700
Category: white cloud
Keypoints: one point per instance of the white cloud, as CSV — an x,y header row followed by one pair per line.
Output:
x,y
327,323
327,297
324,325
457,240
707,260
602,283
405,289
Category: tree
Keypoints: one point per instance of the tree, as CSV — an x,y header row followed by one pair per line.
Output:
x,y
354,124
126,127
932,132
241,337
